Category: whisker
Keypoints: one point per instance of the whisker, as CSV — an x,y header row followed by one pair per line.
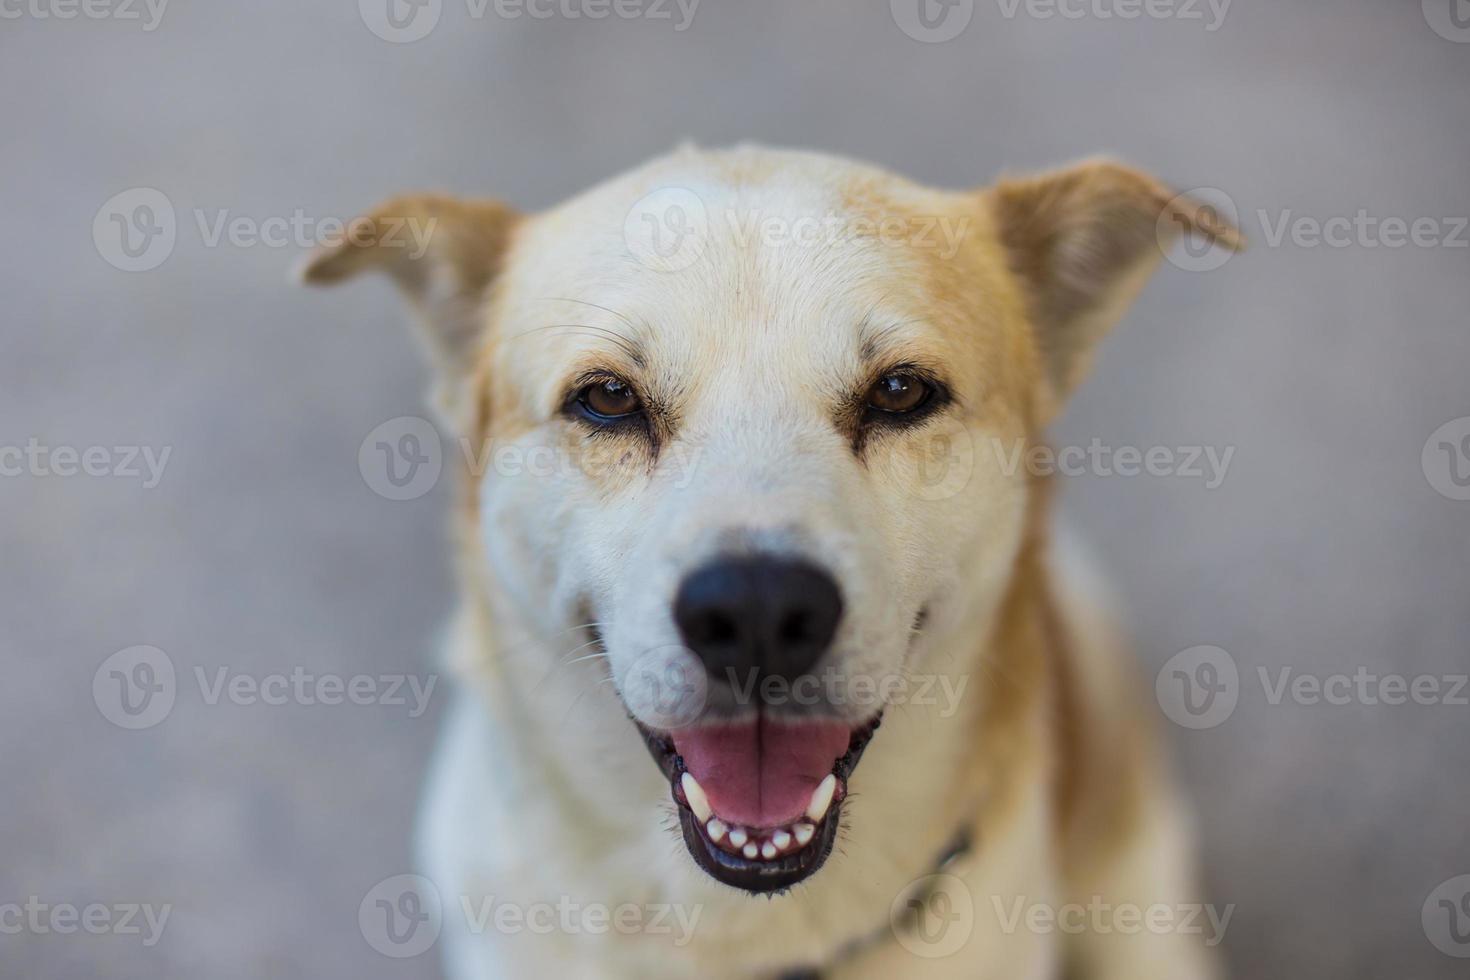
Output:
x,y
623,343
580,626
595,306
562,662
575,701
582,646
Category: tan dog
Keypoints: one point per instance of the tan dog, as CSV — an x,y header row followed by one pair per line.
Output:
x,y
738,426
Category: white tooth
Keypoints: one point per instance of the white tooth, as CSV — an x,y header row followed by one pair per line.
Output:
x,y
768,850
821,799
781,839
716,830
737,836
698,802
750,850
804,832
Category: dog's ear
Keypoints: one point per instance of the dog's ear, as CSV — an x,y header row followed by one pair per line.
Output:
x,y
442,252
1083,241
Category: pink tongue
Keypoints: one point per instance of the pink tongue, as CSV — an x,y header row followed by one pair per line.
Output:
x,y
761,774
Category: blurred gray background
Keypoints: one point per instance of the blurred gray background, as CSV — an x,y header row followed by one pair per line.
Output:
x,y
262,550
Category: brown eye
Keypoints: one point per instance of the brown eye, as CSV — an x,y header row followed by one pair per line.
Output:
x,y
609,398
899,393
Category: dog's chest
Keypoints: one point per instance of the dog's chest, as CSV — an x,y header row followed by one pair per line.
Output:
x,y
524,888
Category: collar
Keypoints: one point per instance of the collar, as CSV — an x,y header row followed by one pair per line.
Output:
x,y
960,846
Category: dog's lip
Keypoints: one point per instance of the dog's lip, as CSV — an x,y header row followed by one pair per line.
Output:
x,y
754,874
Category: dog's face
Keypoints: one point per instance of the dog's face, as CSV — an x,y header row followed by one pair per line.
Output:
x,y
751,420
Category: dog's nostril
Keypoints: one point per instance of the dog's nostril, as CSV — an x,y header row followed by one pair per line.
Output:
x,y
796,628
719,628
770,615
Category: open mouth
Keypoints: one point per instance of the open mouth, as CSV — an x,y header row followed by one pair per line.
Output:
x,y
760,800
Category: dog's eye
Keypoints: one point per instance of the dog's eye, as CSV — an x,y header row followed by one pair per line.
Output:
x,y
899,393
609,398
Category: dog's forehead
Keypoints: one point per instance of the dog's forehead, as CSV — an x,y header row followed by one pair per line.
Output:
x,y
786,264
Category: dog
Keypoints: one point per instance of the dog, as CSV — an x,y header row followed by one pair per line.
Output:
x,y
769,665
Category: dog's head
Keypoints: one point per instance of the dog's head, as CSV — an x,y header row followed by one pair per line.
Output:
x,y
753,416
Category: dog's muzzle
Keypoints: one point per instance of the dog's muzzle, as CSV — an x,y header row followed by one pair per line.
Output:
x,y
760,788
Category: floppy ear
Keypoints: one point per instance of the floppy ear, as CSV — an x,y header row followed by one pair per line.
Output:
x,y
1083,241
442,252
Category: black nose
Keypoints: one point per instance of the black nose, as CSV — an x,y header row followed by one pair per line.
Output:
x,y
758,616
